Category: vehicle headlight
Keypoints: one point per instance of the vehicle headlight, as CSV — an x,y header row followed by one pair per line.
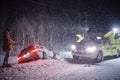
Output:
x,y
26,55
73,47
91,49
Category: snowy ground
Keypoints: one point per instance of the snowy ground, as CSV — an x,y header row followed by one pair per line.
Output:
x,y
60,69
12,60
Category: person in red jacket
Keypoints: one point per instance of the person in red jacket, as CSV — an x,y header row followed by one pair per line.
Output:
x,y
7,46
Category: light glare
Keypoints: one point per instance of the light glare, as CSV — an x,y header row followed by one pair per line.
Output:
x,y
91,49
73,47
115,30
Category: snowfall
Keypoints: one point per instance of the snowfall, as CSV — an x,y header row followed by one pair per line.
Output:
x,y
60,69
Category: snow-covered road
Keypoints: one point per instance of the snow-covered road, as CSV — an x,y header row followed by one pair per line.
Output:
x,y
106,70
62,70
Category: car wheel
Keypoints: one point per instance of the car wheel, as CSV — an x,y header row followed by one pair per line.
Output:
x,y
118,53
75,57
44,55
99,57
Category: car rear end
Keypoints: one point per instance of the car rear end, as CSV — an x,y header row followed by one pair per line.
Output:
x,y
27,54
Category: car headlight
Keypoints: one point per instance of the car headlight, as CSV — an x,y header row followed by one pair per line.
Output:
x,y
73,47
91,49
26,55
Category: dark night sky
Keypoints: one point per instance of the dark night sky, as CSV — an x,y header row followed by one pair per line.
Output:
x,y
65,18
100,13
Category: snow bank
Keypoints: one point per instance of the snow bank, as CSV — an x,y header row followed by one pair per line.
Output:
x,y
51,69
66,54
12,59
35,70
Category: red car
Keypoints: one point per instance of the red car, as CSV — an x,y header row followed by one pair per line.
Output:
x,y
29,53
34,52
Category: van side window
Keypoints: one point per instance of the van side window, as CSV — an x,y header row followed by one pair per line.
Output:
x,y
117,35
106,41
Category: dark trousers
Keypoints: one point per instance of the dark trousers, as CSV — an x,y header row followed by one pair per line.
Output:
x,y
6,58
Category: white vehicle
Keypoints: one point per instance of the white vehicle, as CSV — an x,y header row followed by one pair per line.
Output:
x,y
98,48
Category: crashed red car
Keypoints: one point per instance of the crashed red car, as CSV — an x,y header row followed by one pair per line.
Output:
x,y
27,54
33,53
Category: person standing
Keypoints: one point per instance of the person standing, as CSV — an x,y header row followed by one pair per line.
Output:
x,y
7,46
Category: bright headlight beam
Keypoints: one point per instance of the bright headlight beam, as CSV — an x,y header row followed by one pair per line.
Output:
x,y
73,47
98,37
91,49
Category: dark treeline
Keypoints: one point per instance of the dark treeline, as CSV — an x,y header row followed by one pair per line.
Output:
x,y
38,23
